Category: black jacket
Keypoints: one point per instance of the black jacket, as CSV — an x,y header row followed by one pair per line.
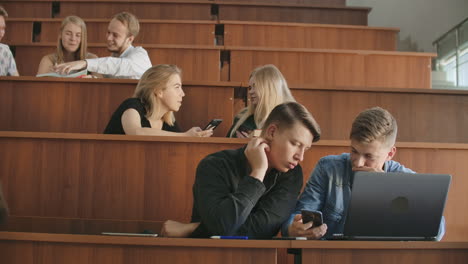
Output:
x,y
227,201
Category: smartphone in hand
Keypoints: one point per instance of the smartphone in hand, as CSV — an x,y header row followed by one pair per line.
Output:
x,y
213,124
312,216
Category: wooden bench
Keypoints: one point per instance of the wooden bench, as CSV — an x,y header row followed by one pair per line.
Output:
x,y
299,13
423,115
136,178
151,31
312,36
306,2
85,106
28,8
28,248
234,33
336,68
354,252
143,9
199,63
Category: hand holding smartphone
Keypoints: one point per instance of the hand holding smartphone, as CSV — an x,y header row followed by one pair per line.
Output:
x,y
312,216
213,124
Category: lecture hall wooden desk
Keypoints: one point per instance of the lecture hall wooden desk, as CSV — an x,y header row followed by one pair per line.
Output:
x,y
382,252
137,178
31,248
86,105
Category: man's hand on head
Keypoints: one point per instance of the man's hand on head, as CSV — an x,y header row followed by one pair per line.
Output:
x,y
66,68
299,229
256,155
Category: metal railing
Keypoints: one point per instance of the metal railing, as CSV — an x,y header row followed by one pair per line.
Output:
x,y
452,54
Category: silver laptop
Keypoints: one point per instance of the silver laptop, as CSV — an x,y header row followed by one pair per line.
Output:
x,y
396,206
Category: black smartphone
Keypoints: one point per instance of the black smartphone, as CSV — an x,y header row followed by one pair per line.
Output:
x,y
312,216
213,124
243,128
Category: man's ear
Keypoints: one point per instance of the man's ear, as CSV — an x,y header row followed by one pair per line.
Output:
x,y
271,131
131,38
391,153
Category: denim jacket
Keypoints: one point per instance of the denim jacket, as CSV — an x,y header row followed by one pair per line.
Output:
x,y
329,190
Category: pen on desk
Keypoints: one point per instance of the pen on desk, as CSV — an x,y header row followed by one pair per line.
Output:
x,y
230,237
289,238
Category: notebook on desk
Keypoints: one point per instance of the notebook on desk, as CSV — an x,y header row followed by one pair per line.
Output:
x,y
395,206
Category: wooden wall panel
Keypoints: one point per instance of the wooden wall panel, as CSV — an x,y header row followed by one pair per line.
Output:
x,y
324,68
85,106
385,256
198,63
28,8
283,35
150,178
18,31
17,248
53,105
291,13
151,32
410,71
422,116
142,9
305,2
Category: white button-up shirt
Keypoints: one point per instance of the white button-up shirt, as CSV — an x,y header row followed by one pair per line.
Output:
x,y
131,64
7,62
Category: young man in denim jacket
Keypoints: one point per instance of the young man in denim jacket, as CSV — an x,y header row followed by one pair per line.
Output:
x,y
328,190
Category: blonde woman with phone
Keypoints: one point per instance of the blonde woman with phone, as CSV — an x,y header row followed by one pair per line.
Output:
x,y
267,89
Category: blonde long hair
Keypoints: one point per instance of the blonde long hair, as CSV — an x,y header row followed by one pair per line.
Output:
x,y
153,80
272,90
82,51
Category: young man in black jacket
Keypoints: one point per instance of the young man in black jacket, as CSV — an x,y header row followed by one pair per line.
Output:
x,y
252,190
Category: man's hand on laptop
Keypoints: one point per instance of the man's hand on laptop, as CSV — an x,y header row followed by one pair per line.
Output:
x,y
299,229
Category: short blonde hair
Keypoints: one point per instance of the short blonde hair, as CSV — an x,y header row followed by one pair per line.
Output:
x,y
130,21
82,51
153,80
374,124
272,90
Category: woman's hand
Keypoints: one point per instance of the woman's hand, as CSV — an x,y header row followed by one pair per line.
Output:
x,y
198,132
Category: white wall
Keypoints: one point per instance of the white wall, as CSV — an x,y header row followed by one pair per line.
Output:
x,y
420,21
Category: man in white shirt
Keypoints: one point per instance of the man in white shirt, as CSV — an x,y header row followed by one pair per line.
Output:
x,y
126,60
7,61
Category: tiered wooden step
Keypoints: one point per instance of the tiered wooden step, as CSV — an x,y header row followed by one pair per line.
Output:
x,y
85,106
336,68
143,9
138,178
199,63
300,13
249,34
311,36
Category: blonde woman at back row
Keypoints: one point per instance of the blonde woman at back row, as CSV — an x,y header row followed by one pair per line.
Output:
x,y
71,45
267,89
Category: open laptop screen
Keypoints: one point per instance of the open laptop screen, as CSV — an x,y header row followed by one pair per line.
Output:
x,y
396,206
